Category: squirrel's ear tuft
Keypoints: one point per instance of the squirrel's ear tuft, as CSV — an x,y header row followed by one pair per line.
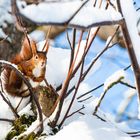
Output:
x,y
26,52
46,47
28,48
33,47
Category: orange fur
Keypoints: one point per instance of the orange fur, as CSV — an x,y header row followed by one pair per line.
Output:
x,y
30,62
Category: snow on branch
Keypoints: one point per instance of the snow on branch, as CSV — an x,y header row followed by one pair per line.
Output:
x,y
109,83
113,79
94,17
50,13
78,14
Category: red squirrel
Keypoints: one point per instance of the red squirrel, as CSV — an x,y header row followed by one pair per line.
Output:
x,y
31,63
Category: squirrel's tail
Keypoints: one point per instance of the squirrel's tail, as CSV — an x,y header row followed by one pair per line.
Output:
x,y
12,83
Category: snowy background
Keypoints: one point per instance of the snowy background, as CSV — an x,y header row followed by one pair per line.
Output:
x,y
86,126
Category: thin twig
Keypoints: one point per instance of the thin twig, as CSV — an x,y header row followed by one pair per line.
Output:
x,y
87,49
68,38
95,3
77,11
75,112
134,136
6,120
74,95
100,4
85,99
110,3
65,86
86,93
72,48
99,117
98,56
99,102
46,82
19,104
136,132
90,91
4,39
47,44
70,91
127,68
128,85
81,113
15,11
97,24
137,9
103,95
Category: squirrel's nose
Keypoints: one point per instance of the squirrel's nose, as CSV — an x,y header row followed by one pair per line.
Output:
x,y
43,63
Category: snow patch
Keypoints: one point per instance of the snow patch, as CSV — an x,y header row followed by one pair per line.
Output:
x,y
57,12
89,128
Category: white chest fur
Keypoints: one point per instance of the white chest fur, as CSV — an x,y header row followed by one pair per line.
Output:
x,y
37,71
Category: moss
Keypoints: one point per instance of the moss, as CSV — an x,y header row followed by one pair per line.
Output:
x,y
11,134
16,130
20,125
27,119
31,136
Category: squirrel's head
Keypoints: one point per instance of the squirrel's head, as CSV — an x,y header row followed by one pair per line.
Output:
x,y
35,65
38,58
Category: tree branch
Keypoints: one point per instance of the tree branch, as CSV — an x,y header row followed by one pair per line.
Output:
x,y
130,49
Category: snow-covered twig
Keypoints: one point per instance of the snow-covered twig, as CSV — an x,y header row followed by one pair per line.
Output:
x,y
101,85
109,83
73,16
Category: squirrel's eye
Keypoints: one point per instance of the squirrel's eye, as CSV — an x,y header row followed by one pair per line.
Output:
x,y
36,57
